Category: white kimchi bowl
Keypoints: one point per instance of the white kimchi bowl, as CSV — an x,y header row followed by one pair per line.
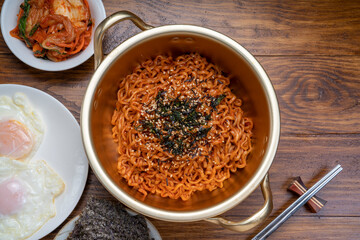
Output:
x,y
9,12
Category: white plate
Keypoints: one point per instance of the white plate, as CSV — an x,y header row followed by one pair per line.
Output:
x,y
67,228
9,12
61,148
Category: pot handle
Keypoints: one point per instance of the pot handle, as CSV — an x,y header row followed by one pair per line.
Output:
x,y
109,22
256,219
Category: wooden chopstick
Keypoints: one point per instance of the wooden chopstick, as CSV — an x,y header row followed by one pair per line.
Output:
x,y
287,213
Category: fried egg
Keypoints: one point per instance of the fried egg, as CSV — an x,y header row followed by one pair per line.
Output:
x,y
21,128
28,191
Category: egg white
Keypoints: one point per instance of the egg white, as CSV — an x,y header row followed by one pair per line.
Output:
x,y
19,108
42,185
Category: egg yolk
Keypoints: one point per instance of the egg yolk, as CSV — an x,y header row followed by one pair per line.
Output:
x,y
12,198
15,140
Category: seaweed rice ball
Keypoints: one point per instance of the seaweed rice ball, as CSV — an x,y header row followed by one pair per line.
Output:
x,y
104,219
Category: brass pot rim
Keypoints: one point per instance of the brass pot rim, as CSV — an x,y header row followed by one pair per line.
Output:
x,y
183,216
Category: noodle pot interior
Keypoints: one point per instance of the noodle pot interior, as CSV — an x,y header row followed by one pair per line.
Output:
x,y
248,81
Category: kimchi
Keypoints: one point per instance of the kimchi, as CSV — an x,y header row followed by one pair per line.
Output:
x,y
54,29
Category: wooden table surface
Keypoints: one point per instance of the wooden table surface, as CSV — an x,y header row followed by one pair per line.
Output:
x,y
311,52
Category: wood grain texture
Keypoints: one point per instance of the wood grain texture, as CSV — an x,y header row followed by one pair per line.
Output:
x,y
307,227
311,52
263,27
317,95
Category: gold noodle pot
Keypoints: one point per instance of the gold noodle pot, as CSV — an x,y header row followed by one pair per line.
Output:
x,y
248,81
